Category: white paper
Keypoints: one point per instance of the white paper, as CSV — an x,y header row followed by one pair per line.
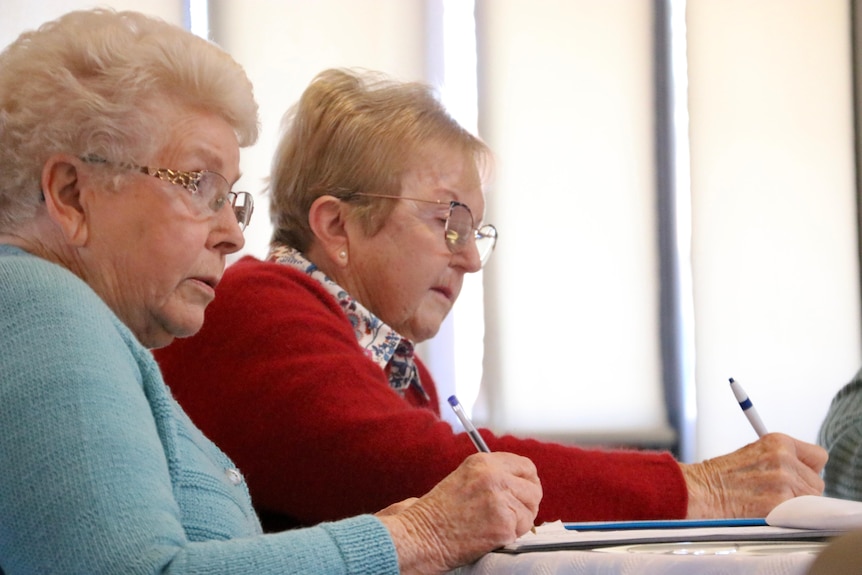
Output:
x,y
555,536
816,512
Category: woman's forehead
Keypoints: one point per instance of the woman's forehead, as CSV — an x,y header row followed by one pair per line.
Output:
x,y
203,141
436,162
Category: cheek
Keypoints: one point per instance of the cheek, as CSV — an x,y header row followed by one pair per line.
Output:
x,y
418,301
402,267
173,258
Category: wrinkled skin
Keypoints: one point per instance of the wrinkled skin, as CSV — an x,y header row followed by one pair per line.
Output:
x,y
754,479
487,502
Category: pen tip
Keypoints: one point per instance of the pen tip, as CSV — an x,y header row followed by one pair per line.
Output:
x,y
730,380
453,401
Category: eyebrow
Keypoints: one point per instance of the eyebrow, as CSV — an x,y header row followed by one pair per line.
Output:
x,y
209,157
448,193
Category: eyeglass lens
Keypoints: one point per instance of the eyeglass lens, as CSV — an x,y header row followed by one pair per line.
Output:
x,y
215,190
459,228
486,239
243,207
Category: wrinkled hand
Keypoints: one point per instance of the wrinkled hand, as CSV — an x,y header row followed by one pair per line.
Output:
x,y
396,508
752,480
490,500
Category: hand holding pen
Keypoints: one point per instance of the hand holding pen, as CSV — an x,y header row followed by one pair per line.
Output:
x,y
748,408
752,480
471,430
489,501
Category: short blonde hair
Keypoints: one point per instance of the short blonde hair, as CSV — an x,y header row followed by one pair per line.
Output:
x,y
91,81
355,132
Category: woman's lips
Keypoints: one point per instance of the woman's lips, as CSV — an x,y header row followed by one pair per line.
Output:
x,y
444,291
206,283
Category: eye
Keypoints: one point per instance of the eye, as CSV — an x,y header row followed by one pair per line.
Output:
x,y
219,202
442,215
214,190
191,181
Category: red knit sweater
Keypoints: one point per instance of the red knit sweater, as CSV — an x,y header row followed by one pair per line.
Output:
x,y
277,379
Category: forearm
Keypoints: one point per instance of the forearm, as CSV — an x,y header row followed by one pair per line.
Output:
x,y
599,484
417,549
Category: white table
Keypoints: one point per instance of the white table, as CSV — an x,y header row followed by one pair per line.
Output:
x,y
665,559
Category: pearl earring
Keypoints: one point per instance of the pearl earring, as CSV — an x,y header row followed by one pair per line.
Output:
x,y
342,254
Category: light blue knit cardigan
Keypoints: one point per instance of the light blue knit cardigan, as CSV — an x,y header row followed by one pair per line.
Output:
x,y
102,470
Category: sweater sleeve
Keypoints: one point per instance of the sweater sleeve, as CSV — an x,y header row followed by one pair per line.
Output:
x,y
277,378
841,436
88,487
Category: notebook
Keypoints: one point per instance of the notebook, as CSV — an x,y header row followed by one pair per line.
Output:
x,y
804,518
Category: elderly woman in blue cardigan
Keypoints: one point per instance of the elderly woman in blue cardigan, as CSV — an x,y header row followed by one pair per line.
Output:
x,y
119,147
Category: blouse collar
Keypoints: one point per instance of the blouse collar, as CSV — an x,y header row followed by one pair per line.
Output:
x,y
381,344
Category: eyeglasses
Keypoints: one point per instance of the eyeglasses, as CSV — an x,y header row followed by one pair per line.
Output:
x,y
210,190
459,226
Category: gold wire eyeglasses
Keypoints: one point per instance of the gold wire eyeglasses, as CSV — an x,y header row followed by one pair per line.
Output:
x,y
459,227
210,190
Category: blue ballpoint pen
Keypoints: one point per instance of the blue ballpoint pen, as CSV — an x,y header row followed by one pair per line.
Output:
x,y
471,430
748,408
468,425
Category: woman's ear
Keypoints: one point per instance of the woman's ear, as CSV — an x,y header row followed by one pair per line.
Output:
x,y
328,221
62,194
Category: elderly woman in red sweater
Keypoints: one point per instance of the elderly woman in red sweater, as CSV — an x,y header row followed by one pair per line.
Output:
x,y
305,370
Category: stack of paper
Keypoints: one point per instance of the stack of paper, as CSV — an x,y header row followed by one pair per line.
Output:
x,y
802,518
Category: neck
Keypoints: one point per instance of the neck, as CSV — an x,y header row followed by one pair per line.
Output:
x,y
42,240
319,257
